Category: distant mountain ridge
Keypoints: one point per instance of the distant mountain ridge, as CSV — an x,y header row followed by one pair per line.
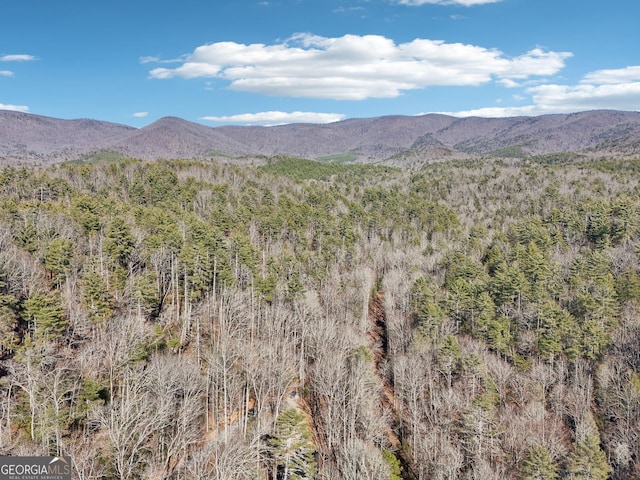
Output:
x,y
35,139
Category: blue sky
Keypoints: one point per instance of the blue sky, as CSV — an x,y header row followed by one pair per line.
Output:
x,y
281,61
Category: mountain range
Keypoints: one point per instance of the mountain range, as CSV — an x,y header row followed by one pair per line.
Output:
x,y
34,139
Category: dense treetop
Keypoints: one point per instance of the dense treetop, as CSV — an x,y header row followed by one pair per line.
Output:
x,y
472,319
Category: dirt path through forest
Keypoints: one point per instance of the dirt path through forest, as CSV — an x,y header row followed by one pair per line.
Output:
x,y
379,344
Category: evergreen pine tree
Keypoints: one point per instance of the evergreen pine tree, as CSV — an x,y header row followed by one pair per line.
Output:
x,y
46,314
292,447
539,465
588,461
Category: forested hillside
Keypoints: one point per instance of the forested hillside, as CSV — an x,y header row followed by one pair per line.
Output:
x,y
408,141
175,319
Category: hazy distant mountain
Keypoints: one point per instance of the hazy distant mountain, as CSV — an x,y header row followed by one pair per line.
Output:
x,y
29,137
395,139
172,137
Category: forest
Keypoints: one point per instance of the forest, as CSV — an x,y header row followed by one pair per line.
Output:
x,y
475,319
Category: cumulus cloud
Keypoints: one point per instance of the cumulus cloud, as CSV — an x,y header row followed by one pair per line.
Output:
x,y
355,67
537,62
17,58
277,118
621,96
613,76
15,108
6,73
464,3
140,114
617,89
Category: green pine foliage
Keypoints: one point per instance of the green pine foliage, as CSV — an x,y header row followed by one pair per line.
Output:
x,y
96,298
292,448
8,323
46,314
588,461
57,258
539,465
395,469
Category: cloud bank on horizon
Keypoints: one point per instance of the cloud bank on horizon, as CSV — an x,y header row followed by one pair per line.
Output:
x,y
276,118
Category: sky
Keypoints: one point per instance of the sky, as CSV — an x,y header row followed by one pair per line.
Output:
x,y
268,62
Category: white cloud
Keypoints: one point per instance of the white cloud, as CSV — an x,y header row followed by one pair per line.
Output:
x,y
508,83
17,58
149,59
356,67
602,89
140,114
15,108
536,62
6,73
559,98
277,118
464,3
155,59
614,76
347,9
496,112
